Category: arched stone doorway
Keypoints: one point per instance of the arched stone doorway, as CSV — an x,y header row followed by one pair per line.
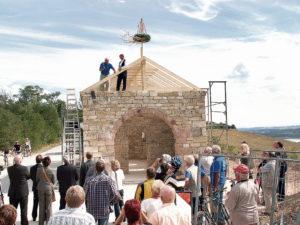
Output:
x,y
144,136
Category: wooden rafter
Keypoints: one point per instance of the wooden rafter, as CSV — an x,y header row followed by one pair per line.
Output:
x,y
145,74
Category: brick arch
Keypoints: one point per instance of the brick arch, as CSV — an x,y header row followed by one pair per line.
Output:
x,y
149,112
122,151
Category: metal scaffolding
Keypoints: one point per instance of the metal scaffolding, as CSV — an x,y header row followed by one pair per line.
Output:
x,y
213,108
71,138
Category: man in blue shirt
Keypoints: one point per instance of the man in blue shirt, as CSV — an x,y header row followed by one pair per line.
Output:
x,y
105,68
217,179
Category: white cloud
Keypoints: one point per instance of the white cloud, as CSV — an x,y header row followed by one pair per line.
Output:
x,y
295,8
48,36
239,73
204,10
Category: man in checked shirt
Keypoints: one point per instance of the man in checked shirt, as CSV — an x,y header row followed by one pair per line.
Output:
x,y
101,192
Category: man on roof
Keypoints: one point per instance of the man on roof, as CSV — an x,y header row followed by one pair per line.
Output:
x,y
123,75
105,68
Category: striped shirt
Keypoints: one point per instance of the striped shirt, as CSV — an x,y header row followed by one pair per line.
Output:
x,y
101,192
71,216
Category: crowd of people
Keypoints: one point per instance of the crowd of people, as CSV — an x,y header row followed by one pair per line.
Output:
x,y
101,190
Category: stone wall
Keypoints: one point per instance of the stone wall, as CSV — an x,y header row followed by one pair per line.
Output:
x,y
143,125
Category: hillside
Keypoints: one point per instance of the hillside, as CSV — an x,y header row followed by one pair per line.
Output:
x,y
255,141
284,132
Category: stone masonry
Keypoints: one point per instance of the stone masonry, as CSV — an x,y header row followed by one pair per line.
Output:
x,y
143,124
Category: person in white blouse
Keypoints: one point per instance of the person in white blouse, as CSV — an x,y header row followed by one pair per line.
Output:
x,y
28,146
75,212
150,205
207,160
118,176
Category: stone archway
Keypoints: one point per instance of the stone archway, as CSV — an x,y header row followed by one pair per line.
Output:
x,y
144,136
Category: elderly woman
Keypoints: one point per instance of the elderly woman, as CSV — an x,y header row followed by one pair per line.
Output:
x,y
150,205
117,175
8,215
45,181
191,177
74,213
245,153
207,159
243,198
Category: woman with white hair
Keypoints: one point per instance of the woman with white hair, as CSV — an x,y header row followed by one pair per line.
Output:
x,y
150,205
118,176
245,153
207,159
191,178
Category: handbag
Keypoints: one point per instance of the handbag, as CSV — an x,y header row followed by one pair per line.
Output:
x,y
53,198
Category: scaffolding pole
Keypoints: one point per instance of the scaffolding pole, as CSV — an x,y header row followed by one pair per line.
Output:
x,y
211,110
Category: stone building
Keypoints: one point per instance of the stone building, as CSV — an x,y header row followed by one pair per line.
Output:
x,y
158,113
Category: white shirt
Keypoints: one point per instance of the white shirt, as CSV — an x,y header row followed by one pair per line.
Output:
x,y
170,214
118,176
71,216
151,205
28,144
193,170
206,162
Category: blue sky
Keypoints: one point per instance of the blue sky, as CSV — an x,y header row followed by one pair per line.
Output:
x,y
253,44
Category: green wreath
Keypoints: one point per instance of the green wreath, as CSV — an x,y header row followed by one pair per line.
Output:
x,y
142,38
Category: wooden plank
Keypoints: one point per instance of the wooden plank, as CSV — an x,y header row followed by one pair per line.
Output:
x,y
170,82
171,74
157,82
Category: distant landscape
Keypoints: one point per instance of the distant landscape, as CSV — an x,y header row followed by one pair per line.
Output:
x,y
286,132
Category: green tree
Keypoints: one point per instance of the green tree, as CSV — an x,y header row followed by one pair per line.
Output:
x,y
10,130
31,113
30,94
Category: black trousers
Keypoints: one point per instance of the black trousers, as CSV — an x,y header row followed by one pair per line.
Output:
x,y
122,78
62,202
281,189
35,204
23,206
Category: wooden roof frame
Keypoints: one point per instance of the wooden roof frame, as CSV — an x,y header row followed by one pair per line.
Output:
x,y
159,77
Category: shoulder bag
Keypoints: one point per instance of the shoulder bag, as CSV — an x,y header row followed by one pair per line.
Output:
x,y
50,183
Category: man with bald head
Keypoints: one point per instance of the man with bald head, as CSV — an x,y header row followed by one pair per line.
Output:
x,y
18,187
169,214
105,68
